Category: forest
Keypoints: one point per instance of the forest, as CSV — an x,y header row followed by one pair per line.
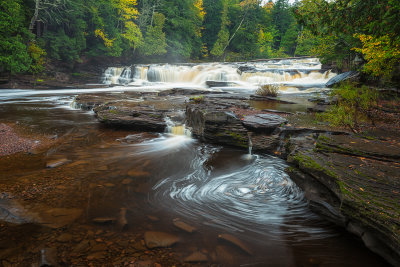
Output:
x,y
343,31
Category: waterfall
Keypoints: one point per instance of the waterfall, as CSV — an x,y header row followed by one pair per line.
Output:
x,y
177,129
300,73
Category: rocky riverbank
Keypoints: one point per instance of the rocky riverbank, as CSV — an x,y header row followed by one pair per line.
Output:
x,y
351,180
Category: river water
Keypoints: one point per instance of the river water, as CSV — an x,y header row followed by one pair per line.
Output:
x,y
161,177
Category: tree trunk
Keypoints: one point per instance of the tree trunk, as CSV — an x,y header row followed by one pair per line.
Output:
x,y
35,16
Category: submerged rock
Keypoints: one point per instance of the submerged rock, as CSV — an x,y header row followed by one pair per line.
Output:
x,y
184,226
159,239
235,241
196,257
57,163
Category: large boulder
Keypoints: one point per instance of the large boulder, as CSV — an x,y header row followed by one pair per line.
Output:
x,y
346,76
216,125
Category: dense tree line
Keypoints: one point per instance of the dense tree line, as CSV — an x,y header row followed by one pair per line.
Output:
x,y
33,31
353,31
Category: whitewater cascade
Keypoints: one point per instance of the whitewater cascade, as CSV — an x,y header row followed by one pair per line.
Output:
x,y
300,73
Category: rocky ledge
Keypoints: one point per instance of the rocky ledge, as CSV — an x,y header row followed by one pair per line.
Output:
x,y
351,180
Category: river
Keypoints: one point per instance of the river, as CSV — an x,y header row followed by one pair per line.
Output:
x,y
160,177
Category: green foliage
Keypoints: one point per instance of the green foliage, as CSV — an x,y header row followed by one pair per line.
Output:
x,y
38,57
154,41
340,26
14,56
157,30
354,104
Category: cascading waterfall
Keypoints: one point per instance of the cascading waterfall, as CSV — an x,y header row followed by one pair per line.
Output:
x,y
302,73
177,129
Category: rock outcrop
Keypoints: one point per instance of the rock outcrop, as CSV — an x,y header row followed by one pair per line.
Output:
x,y
353,182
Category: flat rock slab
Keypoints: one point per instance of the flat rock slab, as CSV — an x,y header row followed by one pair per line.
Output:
x,y
352,145
263,122
14,212
160,239
184,226
196,257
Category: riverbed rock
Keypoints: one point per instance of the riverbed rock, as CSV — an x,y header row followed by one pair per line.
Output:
x,y
265,123
139,118
184,226
216,124
235,241
196,257
217,84
57,163
160,239
352,179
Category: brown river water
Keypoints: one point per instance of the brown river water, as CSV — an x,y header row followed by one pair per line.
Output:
x,y
157,178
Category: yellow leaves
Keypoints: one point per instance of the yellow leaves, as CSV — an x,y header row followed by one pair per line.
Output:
x,y
199,5
126,8
107,42
382,54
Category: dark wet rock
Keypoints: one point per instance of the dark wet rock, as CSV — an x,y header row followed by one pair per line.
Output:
x,y
48,257
139,118
57,163
186,91
104,220
317,108
196,257
217,84
216,125
265,143
346,76
270,98
159,239
235,241
184,226
278,111
265,123
353,182
247,69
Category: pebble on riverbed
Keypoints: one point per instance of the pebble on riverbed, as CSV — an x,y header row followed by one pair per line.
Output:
x,y
11,142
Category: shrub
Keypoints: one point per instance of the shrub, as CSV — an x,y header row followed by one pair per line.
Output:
x,y
268,90
197,99
354,105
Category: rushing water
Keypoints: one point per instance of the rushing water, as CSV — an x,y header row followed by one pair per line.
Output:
x,y
215,189
291,75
